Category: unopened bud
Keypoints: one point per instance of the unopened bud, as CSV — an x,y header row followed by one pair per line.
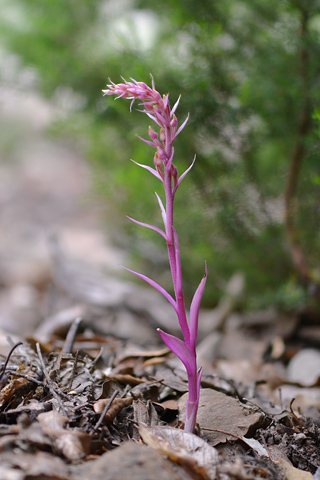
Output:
x,y
162,135
174,173
152,134
174,170
174,121
156,159
162,154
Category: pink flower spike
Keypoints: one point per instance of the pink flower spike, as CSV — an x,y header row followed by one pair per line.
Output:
x,y
182,126
155,285
179,348
147,225
194,310
150,169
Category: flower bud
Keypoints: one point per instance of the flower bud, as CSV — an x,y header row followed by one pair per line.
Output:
x,y
156,159
174,173
174,121
162,135
152,134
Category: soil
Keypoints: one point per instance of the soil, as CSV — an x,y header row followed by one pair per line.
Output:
x,y
90,392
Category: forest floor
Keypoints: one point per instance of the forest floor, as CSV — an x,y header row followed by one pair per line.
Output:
x,y
91,392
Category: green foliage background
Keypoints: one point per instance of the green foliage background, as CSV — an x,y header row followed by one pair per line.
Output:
x,y
248,72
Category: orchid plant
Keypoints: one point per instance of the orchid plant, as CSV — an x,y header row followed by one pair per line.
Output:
x,y
158,109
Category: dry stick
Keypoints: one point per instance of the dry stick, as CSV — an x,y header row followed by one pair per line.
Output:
x,y
222,431
106,408
51,387
71,335
75,363
4,366
95,360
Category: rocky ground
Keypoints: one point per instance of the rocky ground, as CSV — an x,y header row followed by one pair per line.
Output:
x,y
91,392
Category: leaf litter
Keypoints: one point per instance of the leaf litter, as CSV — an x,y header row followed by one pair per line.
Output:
x,y
70,408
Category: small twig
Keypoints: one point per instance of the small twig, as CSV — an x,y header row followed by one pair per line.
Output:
x,y
222,431
3,377
71,335
4,366
95,360
75,363
106,408
56,394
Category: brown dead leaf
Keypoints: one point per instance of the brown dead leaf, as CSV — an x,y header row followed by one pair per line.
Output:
x,y
52,420
117,405
145,413
132,461
218,411
183,448
8,391
38,465
127,379
142,354
292,473
73,444
153,361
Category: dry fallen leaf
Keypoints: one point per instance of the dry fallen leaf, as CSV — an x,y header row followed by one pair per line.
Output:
x,y
218,411
117,405
184,448
293,473
73,444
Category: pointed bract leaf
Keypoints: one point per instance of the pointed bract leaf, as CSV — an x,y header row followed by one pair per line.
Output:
x,y
182,126
194,310
163,211
179,348
147,141
147,225
151,116
155,285
185,173
175,106
150,169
